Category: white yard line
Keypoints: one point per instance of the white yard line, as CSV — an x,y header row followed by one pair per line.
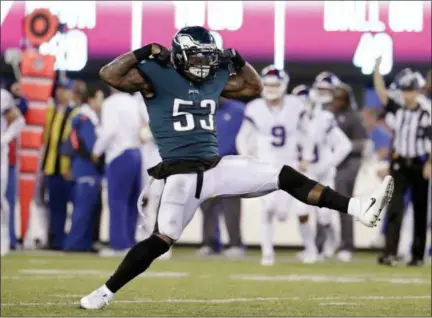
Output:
x,y
331,279
338,304
219,301
73,274
373,297
46,274
93,272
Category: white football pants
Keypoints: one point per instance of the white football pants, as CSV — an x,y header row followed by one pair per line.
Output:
x,y
240,176
5,213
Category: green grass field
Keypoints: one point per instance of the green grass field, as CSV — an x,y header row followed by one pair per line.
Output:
x,y
49,284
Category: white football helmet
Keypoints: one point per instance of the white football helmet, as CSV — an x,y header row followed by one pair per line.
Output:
x,y
275,82
324,83
309,95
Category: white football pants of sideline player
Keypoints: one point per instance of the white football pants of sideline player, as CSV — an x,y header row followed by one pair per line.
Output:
x,y
323,215
5,240
275,205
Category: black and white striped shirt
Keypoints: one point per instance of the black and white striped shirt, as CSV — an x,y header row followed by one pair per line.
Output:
x,y
410,129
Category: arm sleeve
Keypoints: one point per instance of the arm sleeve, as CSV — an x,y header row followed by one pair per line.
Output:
x,y
13,130
87,134
246,138
109,123
239,114
310,142
341,146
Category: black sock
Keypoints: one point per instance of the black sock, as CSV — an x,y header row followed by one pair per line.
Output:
x,y
137,260
333,200
311,192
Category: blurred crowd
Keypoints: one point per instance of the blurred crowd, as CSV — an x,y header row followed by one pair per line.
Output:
x,y
96,137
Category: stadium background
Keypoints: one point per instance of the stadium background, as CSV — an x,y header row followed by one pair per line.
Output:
x,y
307,37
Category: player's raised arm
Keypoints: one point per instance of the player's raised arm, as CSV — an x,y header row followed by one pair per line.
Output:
x,y
246,82
379,84
122,73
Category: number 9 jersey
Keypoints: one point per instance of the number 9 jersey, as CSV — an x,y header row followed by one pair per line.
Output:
x,y
181,113
270,133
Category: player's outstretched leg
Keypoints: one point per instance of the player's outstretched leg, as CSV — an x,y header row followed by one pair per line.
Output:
x,y
135,262
366,209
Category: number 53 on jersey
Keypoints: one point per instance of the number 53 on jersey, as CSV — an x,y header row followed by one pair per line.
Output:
x,y
187,121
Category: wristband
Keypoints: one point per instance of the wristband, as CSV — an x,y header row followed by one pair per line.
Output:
x,y
143,53
237,61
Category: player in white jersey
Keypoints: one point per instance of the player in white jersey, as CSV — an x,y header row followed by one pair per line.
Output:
x,y
11,124
149,201
322,146
269,132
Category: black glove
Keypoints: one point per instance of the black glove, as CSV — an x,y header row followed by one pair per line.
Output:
x,y
233,58
163,57
146,52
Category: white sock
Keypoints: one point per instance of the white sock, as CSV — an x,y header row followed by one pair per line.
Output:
x,y
307,236
354,207
267,230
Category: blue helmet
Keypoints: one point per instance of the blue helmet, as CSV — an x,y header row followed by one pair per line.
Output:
x,y
194,52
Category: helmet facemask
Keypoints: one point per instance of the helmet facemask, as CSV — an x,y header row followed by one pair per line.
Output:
x,y
194,59
201,64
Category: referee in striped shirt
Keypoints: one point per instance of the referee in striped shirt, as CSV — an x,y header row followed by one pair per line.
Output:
x,y
410,158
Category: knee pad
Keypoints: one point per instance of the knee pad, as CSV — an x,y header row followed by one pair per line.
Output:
x,y
171,227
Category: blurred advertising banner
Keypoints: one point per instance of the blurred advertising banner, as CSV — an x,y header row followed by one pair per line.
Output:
x,y
341,31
